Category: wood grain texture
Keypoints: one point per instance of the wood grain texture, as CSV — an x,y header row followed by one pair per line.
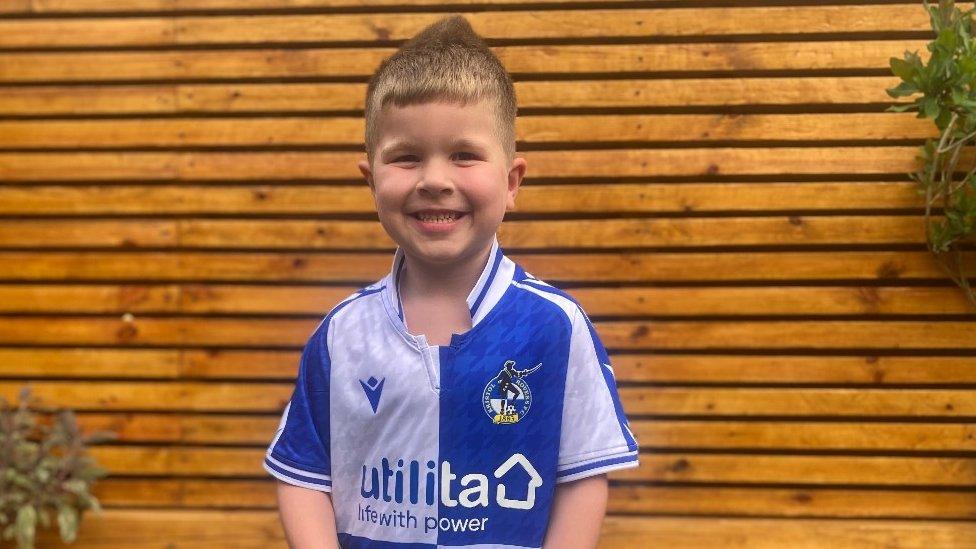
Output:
x,y
811,502
717,183
583,235
324,166
631,366
568,130
624,335
549,95
624,301
143,529
548,24
533,198
201,396
599,59
322,267
655,435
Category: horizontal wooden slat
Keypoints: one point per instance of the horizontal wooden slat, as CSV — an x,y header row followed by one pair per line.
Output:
x,y
95,6
87,99
39,362
796,435
774,469
738,533
651,433
768,502
321,131
589,267
104,298
550,24
798,402
670,368
160,528
219,98
646,368
685,467
757,402
773,502
871,369
247,299
124,234
158,396
198,528
682,467
657,334
519,60
16,6
532,198
576,234
249,166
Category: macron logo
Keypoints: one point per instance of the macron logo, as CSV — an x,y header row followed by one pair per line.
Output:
x,y
373,390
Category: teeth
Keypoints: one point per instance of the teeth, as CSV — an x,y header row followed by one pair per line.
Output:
x,y
438,218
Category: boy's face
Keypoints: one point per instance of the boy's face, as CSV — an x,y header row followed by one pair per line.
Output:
x,y
440,180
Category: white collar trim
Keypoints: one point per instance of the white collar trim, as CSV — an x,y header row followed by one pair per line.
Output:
x,y
495,278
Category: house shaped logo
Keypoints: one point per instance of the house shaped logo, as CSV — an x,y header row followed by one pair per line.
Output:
x,y
535,481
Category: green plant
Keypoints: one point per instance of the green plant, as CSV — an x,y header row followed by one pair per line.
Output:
x,y
947,84
44,468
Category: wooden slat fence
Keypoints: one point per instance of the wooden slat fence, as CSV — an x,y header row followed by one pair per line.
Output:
x,y
717,182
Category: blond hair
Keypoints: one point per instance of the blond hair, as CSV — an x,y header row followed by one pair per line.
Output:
x,y
446,61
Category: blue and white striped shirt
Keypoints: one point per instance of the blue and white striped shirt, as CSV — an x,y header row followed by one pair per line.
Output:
x,y
459,445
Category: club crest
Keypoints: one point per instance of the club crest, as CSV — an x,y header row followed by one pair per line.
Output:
x,y
507,396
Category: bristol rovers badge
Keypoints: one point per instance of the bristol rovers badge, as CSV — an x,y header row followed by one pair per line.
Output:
x,y
507,396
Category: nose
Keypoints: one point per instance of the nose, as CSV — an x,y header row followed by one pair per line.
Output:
x,y
435,179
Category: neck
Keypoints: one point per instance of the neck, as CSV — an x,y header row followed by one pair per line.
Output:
x,y
451,281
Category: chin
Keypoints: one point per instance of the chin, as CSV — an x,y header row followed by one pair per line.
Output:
x,y
444,251
440,254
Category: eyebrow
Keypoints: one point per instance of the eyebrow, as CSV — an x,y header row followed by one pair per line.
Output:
x,y
401,144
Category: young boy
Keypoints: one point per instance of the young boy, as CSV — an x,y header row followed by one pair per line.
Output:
x,y
458,401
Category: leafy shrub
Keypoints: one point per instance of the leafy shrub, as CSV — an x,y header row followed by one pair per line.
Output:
x,y
44,469
947,84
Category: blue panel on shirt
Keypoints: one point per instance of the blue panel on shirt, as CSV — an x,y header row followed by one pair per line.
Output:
x,y
528,330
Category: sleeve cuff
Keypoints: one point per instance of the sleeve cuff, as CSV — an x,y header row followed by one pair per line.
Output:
x,y
298,477
597,466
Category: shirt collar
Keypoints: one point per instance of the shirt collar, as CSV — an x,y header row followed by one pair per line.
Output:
x,y
495,278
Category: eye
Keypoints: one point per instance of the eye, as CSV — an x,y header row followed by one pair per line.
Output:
x,y
471,155
405,158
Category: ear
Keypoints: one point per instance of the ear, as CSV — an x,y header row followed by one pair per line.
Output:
x,y
515,175
368,174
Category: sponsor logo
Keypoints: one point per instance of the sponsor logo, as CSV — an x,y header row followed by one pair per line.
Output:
x,y
507,397
412,481
373,390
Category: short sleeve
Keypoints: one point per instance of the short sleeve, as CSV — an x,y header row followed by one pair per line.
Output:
x,y
299,452
595,437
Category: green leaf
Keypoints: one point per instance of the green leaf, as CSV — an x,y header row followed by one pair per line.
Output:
x,y
26,526
902,90
67,523
21,480
75,486
902,69
930,107
942,120
947,39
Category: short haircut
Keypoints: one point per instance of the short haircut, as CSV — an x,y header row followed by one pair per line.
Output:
x,y
446,61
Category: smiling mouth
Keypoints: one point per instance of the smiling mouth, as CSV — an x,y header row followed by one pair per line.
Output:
x,y
438,216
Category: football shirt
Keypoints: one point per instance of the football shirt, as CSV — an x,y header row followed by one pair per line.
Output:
x,y
459,445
